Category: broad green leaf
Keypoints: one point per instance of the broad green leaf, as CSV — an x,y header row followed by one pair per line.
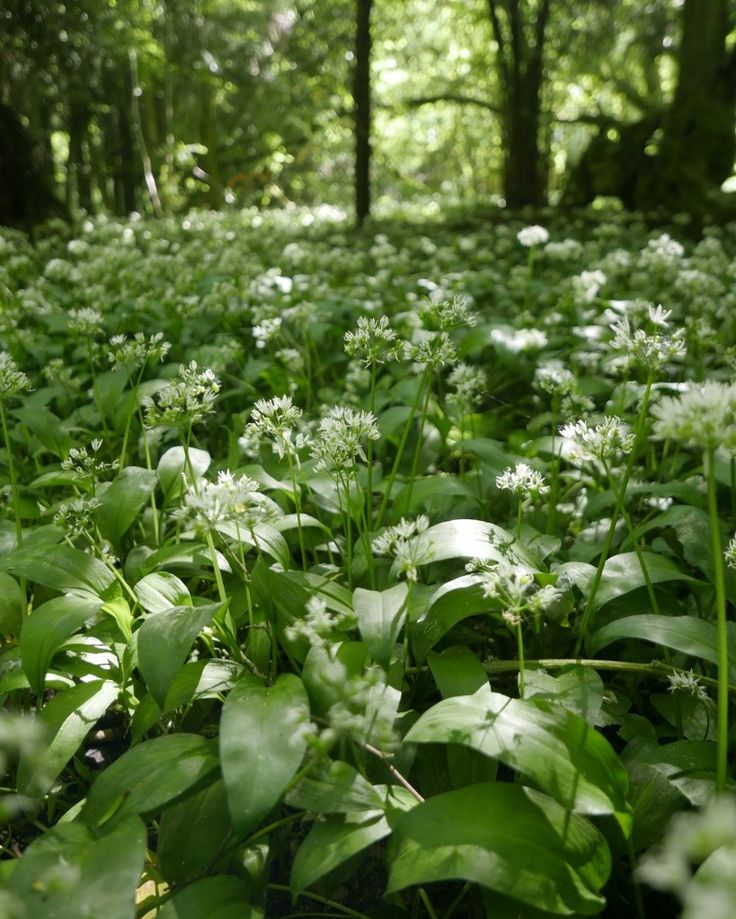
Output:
x,y
147,778
579,689
688,764
121,502
217,897
262,536
67,718
64,569
70,872
507,838
495,457
446,606
334,787
47,428
466,539
202,679
654,800
688,634
11,606
119,610
165,640
172,470
409,500
551,746
332,842
262,744
623,573
381,616
161,591
457,671
326,672
46,630
191,834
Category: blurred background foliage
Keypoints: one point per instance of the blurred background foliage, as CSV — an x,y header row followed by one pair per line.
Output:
x,y
160,105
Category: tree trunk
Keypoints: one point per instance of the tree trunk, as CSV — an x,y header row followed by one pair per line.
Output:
x,y
127,164
520,40
27,197
362,102
678,160
78,168
211,160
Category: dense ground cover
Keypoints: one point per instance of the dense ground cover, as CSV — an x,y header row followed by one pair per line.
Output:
x,y
377,574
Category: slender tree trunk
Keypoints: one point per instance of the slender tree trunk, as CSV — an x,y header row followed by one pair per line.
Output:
x,y
78,169
209,133
362,102
520,40
128,171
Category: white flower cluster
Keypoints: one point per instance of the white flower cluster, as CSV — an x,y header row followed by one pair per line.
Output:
x,y
77,516
469,386
687,681
433,350
604,442
374,341
449,312
85,465
229,499
514,587
275,419
131,353
85,322
533,236
184,402
398,541
522,480
319,624
704,416
12,380
516,340
338,446
651,351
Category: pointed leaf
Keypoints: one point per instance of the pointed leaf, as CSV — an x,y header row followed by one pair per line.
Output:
x,y
46,630
381,616
688,634
505,837
334,841
218,897
151,776
64,569
334,787
623,573
122,501
164,642
552,747
69,872
68,717
457,671
160,591
262,744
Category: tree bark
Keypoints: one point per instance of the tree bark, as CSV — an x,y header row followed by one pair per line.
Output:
x,y
677,160
362,103
520,40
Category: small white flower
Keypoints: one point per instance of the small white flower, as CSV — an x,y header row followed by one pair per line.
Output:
x,y
533,236
522,480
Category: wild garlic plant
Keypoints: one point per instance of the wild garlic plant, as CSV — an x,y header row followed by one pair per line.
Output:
x,y
704,418
336,450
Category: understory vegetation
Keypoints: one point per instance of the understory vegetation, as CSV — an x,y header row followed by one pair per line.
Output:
x,y
380,573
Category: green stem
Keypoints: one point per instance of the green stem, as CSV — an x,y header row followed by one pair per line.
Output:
x,y
721,624
401,447
520,646
427,904
298,506
418,447
655,668
13,477
593,590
